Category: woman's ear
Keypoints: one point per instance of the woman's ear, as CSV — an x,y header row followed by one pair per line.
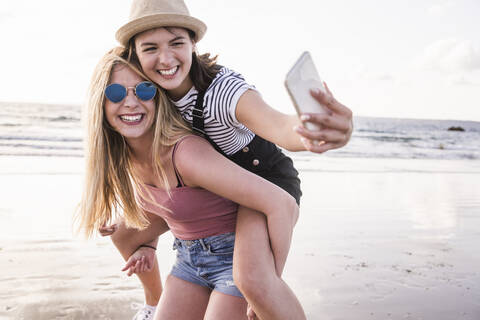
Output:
x,y
194,44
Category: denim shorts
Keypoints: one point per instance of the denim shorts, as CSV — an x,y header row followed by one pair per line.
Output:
x,y
207,262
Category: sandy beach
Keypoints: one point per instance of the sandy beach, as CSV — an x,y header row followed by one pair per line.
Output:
x,y
377,239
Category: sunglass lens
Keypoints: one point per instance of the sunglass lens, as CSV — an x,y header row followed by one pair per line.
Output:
x,y
115,92
145,90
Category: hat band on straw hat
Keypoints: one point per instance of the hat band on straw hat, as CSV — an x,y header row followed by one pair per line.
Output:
x,y
168,13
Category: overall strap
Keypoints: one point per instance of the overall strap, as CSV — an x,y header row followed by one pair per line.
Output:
x,y
197,115
198,121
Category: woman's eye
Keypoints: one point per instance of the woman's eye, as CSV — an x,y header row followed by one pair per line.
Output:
x,y
148,49
177,44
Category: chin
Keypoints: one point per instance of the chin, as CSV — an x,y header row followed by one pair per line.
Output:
x,y
170,84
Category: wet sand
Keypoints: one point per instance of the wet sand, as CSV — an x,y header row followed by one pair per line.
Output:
x,y
377,239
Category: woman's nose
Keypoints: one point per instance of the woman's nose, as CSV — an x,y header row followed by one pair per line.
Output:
x,y
164,57
131,99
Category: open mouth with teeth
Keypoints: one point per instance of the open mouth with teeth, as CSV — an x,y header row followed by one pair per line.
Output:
x,y
168,73
131,118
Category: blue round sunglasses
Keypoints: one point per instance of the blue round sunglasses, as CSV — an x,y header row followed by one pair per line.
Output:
x,y
144,91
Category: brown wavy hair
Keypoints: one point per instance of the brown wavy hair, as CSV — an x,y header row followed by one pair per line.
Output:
x,y
204,67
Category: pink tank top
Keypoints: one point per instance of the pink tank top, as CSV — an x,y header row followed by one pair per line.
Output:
x,y
195,212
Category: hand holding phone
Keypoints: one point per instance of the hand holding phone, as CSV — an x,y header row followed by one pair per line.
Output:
x,y
301,78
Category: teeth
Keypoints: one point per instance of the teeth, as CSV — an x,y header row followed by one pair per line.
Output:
x,y
131,118
168,72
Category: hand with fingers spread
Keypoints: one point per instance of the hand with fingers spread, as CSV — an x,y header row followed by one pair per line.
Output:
x,y
142,260
105,230
336,124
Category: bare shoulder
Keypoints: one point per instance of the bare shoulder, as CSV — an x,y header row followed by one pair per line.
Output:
x,y
193,153
189,146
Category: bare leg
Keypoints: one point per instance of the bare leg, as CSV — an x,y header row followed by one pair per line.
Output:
x,y
224,306
128,240
255,273
182,300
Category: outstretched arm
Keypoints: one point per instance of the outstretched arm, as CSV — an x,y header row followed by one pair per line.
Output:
x,y
270,124
213,172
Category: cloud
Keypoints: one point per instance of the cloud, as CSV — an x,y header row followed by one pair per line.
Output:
x,y
364,72
4,16
461,80
441,9
383,77
450,56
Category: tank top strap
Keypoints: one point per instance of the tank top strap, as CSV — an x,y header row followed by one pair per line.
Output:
x,y
177,174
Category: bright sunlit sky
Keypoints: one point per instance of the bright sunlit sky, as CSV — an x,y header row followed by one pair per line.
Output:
x,y
384,58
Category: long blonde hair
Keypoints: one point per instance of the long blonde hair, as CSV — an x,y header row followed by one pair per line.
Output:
x,y
110,179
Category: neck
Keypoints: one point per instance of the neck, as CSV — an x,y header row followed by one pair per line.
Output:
x,y
141,148
180,91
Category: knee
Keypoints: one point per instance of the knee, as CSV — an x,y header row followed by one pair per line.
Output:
x,y
295,213
254,284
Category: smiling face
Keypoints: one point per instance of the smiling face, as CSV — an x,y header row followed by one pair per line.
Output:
x,y
131,117
166,57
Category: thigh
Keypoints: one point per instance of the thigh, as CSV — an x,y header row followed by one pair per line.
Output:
x,y
181,299
252,244
224,306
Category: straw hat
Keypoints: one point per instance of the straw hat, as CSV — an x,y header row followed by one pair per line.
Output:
x,y
149,14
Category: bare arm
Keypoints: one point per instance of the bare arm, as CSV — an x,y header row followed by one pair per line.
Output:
x,y
272,125
213,172
127,240
268,123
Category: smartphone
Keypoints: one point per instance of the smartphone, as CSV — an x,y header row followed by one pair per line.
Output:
x,y
302,77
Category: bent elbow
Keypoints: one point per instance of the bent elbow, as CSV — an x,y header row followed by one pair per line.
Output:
x,y
287,208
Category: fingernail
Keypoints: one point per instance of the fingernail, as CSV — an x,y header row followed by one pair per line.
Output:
x,y
305,117
296,128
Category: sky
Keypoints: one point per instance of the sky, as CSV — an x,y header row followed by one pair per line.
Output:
x,y
381,58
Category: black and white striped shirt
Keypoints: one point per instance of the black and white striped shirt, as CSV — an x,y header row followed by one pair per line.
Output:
x,y
220,103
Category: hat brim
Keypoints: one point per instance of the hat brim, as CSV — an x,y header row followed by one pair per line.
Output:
x,y
132,28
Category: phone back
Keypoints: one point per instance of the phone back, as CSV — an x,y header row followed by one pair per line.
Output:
x,y
300,79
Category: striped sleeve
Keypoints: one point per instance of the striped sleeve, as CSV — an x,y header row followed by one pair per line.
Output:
x,y
224,95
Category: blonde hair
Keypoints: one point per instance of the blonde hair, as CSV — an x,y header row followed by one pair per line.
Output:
x,y
110,179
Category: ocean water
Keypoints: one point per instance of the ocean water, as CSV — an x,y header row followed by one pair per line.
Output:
x,y
40,130
56,130
412,138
